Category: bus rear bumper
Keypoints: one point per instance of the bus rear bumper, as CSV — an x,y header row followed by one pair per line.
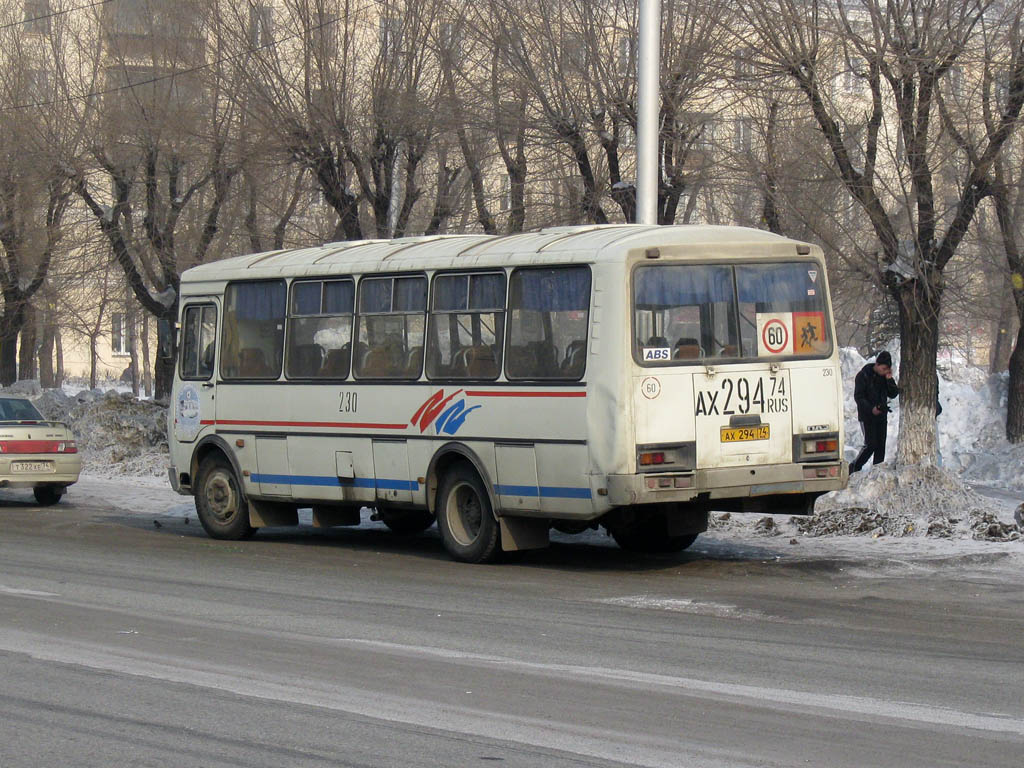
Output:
x,y
776,481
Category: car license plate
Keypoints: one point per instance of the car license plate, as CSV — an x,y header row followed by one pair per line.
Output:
x,y
743,434
31,466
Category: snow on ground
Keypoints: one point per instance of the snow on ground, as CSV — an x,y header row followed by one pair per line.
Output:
x,y
887,512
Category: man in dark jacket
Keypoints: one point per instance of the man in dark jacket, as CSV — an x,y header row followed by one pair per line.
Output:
x,y
872,389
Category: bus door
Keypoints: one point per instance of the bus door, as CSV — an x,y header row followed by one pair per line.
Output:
x,y
195,402
743,416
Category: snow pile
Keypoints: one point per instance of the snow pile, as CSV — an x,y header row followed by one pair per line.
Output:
x,y
913,500
117,434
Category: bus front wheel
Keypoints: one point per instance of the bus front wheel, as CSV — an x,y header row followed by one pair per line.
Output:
x,y
468,527
220,505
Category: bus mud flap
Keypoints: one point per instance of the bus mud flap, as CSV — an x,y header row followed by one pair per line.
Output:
x,y
518,533
267,514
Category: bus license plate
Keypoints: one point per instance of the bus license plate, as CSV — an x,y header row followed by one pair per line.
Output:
x,y
31,466
743,434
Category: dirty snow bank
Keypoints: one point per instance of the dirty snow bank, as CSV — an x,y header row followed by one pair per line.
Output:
x,y
117,434
893,500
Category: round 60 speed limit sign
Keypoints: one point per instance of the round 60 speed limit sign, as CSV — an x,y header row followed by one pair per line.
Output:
x,y
775,336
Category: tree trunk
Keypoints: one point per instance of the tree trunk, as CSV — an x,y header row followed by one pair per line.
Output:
x,y
133,346
60,358
46,377
1015,400
92,361
163,370
919,305
27,350
147,372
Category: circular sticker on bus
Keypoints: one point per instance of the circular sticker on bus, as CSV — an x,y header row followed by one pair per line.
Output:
x,y
775,336
650,387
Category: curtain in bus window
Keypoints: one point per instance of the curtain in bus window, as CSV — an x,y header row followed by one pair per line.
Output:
x,y
548,319
684,312
254,330
792,294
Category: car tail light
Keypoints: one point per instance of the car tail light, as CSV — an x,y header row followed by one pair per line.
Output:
x,y
821,446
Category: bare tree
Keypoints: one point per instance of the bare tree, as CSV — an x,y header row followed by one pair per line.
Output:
x,y
907,51
161,165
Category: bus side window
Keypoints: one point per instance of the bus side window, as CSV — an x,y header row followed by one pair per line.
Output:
x,y
467,326
391,324
253,342
549,312
320,329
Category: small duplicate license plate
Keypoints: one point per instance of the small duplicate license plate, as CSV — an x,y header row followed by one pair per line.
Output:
x,y
31,466
743,434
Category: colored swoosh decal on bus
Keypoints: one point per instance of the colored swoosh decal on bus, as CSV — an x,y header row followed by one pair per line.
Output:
x,y
450,419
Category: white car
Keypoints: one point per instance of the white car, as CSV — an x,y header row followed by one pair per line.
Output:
x,y
36,453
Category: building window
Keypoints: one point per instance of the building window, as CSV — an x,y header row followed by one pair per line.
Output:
x,y
261,25
119,333
744,130
37,16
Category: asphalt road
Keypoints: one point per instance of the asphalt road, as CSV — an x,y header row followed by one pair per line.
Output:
x,y
124,644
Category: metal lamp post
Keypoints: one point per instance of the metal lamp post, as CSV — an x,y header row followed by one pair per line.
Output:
x,y
648,101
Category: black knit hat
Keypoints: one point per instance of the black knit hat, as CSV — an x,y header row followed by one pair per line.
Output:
x,y
884,358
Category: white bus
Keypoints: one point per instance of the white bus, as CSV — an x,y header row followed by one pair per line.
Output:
x,y
626,376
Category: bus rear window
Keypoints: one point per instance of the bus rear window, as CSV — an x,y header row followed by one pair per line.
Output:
x,y
782,310
685,312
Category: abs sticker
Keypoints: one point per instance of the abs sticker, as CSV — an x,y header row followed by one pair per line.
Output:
x,y
654,354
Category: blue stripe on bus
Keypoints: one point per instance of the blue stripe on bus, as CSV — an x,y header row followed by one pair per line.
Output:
x,y
359,482
551,491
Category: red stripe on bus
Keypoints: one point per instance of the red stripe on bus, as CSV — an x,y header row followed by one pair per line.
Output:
x,y
499,393
348,424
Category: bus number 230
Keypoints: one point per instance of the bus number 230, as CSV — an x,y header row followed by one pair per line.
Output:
x,y
349,402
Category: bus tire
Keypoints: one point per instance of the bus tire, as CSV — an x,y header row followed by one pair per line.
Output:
x,y
47,495
220,504
651,538
468,527
406,522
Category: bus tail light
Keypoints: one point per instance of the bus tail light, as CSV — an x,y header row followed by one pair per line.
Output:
x,y
654,458
821,446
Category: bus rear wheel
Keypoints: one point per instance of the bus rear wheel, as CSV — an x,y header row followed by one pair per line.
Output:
x,y
468,527
47,494
406,522
649,534
220,505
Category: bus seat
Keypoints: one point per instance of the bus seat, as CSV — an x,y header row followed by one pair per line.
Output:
x,y
252,363
460,365
575,358
481,363
657,341
336,363
521,362
376,363
305,360
687,349
544,353
414,362
729,350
